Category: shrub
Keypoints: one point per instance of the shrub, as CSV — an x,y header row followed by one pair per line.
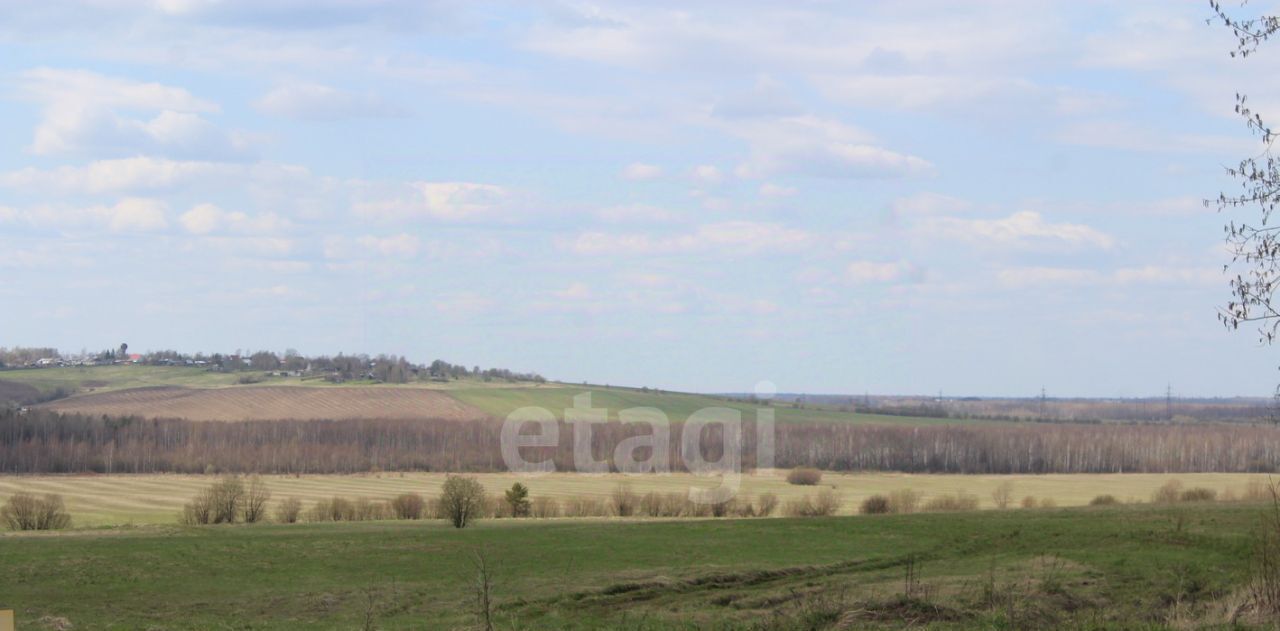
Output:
x,y
804,476
25,511
584,507
652,504
766,504
366,509
904,501
517,498
1003,494
1198,494
623,502
875,505
254,506
821,505
333,509
461,500
1029,501
952,503
287,512
1048,502
1104,500
1257,491
408,506
225,501
1168,493
545,507
728,507
199,510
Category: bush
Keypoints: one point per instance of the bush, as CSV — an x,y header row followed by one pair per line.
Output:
x,y
408,506
461,500
517,498
1029,501
1198,494
584,507
254,506
366,509
1003,494
804,476
1048,502
545,507
1104,500
1169,493
952,503
766,504
822,505
624,502
1257,491
332,509
652,504
903,501
225,501
25,511
875,505
289,510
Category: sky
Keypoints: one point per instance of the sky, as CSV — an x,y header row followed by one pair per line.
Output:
x,y
978,198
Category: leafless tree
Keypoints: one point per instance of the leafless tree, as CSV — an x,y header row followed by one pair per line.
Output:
x,y
483,588
256,496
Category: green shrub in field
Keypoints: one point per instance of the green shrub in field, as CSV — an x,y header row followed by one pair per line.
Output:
x,y
875,505
25,511
461,500
517,498
804,476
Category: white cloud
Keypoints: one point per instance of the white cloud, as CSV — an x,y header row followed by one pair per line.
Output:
x,y
813,146
87,113
1023,229
404,246
876,272
124,174
724,237
135,215
451,201
929,204
315,102
639,171
208,218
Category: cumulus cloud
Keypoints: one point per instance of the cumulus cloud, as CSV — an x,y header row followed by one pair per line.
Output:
x,y
315,102
706,174
449,201
88,113
807,145
208,218
134,215
1023,229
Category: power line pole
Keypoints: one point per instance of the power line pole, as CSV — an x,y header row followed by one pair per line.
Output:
x,y
1168,402
1042,401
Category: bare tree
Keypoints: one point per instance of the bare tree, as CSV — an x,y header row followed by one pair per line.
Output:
x,y
1254,243
1003,494
254,508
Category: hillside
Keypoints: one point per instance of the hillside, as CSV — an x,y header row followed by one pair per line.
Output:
x,y
198,394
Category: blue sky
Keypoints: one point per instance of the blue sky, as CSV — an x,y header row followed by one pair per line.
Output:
x,y
977,198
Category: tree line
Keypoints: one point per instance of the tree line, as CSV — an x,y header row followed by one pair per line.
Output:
x,y
41,441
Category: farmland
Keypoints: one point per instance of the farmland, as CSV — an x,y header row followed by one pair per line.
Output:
x,y
270,402
96,501
1114,567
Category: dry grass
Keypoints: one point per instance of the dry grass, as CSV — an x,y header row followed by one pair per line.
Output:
x,y
142,499
271,403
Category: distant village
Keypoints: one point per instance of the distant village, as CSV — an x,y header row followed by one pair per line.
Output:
x,y
338,368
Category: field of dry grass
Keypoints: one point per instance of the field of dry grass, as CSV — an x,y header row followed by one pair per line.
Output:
x,y
270,402
102,500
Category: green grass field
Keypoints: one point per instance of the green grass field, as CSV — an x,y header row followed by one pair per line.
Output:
x,y
1117,567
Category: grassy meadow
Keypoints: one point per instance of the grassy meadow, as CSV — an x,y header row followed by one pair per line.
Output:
x,y
1120,567
108,500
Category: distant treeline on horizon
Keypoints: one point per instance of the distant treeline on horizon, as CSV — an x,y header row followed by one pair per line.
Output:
x,y
385,368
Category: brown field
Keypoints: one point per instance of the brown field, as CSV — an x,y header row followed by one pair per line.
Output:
x,y
270,402
101,500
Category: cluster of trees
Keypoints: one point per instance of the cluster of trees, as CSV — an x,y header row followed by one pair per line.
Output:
x,y
25,511
40,441
21,356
